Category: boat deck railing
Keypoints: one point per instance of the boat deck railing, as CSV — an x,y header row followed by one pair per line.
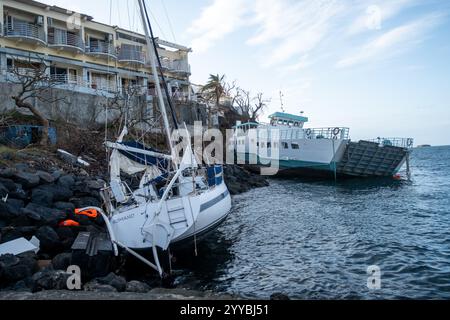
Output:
x,y
407,143
328,133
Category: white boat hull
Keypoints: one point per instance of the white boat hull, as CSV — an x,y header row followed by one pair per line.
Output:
x,y
196,215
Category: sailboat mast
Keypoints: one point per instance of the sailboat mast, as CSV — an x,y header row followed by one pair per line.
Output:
x,y
151,54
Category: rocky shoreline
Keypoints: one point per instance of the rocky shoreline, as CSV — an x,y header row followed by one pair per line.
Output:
x,y
36,198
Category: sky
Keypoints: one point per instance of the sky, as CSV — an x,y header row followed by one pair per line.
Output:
x,y
379,67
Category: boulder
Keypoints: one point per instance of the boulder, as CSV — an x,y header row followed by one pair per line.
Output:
x,y
67,181
18,192
10,234
67,237
95,286
49,239
21,286
16,268
43,215
3,191
46,177
137,287
86,202
27,231
15,190
9,184
62,261
22,167
95,184
64,206
49,280
59,192
113,280
11,209
27,180
7,173
42,197
57,174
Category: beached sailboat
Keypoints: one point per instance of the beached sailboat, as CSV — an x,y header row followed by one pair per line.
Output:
x,y
178,198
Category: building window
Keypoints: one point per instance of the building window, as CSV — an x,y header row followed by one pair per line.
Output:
x,y
269,145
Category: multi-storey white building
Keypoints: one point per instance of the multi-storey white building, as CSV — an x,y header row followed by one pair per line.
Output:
x,y
85,55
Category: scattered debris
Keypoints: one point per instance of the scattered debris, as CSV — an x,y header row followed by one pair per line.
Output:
x,y
74,160
20,246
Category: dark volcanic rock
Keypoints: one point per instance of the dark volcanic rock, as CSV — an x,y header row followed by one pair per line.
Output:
x,y
49,239
115,281
3,191
239,180
27,180
10,234
95,184
7,173
42,197
95,286
43,215
86,202
62,261
58,192
15,190
10,209
46,177
49,280
64,206
67,237
16,268
66,181
137,287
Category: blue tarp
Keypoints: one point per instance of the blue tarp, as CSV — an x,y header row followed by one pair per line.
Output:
x,y
24,135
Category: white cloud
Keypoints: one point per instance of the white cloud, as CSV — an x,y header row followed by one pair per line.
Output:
x,y
292,28
216,21
383,10
392,42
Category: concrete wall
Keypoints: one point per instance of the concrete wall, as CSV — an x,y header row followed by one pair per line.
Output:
x,y
87,109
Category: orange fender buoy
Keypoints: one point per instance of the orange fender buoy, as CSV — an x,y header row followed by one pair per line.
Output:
x,y
69,223
91,213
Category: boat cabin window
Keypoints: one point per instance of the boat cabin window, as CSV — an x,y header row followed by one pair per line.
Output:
x,y
295,146
285,145
269,145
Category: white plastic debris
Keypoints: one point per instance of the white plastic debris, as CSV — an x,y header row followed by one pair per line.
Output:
x,y
71,158
20,246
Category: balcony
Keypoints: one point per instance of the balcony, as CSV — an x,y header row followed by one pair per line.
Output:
x,y
181,67
131,56
67,79
64,40
176,66
101,49
25,31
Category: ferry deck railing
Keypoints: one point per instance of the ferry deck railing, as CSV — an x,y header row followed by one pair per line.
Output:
x,y
406,143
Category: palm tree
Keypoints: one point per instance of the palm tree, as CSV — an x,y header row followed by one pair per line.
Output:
x,y
214,88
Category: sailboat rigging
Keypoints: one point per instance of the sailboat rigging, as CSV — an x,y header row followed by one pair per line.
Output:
x,y
178,199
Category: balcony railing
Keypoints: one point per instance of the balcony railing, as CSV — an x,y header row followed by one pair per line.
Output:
x,y
24,30
131,56
175,66
67,79
59,37
101,48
